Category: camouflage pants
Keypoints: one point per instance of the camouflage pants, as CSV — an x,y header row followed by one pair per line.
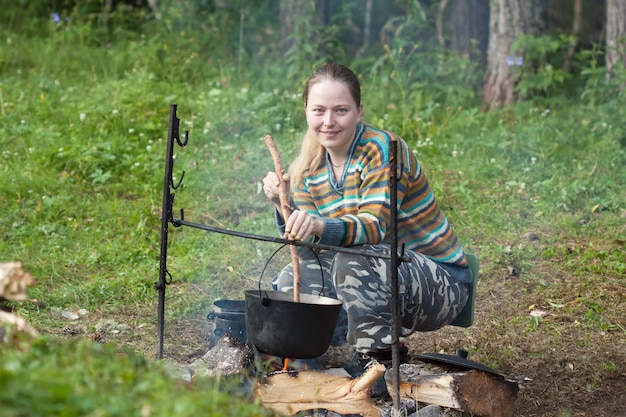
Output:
x,y
430,296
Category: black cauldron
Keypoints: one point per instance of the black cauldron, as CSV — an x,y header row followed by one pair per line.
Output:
x,y
279,326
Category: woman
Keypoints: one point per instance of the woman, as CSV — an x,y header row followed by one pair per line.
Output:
x,y
341,196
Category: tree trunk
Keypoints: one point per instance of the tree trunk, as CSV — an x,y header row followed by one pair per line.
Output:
x,y
576,22
468,28
615,34
509,19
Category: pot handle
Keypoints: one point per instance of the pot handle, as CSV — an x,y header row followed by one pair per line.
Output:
x,y
278,250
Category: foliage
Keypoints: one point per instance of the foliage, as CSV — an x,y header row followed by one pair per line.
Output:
x,y
50,377
540,64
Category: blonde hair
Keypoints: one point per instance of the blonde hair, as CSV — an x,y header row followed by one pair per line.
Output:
x,y
311,152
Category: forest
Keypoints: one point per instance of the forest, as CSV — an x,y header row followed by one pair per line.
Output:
x,y
515,109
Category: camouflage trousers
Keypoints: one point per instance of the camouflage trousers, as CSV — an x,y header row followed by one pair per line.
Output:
x,y
430,295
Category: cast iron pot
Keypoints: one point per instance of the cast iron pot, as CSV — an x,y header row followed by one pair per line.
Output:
x,y
279,326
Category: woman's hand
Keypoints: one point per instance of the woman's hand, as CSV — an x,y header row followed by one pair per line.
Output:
x,y
301,226
270,187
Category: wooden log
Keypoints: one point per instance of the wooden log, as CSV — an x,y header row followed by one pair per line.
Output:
x,y
14,281
21,325
476,392
289,394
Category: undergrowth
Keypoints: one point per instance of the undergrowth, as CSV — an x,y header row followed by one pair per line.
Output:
x,y
536,191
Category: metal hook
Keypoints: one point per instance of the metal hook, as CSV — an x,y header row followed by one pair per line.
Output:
x,y
183,144
180,181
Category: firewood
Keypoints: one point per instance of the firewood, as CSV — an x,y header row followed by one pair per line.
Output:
x,y
14,281
21,325
288,394
475,392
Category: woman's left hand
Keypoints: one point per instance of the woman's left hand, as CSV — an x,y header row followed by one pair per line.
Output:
x,y
301,225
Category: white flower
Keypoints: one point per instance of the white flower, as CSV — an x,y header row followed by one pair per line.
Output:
x,y
533,160
82,116
131,130
115,111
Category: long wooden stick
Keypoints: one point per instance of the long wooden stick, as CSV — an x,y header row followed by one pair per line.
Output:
x,y
285,209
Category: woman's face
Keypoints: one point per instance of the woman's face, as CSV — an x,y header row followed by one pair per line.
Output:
x,y
332,115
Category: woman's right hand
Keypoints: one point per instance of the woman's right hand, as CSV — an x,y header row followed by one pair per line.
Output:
x,y
270,187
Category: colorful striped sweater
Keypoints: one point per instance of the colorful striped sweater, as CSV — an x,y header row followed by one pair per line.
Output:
x,y
355,209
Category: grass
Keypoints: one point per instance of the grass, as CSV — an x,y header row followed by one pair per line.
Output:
x,y
535,191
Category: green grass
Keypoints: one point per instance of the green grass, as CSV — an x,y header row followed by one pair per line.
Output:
x,y
82,137
85,371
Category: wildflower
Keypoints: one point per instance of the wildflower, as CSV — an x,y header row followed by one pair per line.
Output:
x,y
517,60
55,17
131,130
82,116
277,127
148,147
533,160
114,112
492,160
455,153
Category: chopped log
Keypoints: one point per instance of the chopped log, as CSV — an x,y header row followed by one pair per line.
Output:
x,y
288,394
14,281
476,392
19,322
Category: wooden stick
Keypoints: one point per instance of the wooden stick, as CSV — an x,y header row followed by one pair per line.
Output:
x,y
286,210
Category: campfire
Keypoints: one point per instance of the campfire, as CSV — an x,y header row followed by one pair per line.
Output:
x,y
289,386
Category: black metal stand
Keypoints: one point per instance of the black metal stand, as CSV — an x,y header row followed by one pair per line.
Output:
x,y
167,217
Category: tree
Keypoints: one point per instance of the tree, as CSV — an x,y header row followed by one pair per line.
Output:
x,y
462,26
509,19
615,34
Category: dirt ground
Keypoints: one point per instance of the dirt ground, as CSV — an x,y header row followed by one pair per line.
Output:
x,y
563,368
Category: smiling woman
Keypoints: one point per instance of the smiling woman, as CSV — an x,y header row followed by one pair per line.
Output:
x,y
340,189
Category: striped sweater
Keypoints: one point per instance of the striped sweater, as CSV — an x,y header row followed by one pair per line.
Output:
x,y
355,209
